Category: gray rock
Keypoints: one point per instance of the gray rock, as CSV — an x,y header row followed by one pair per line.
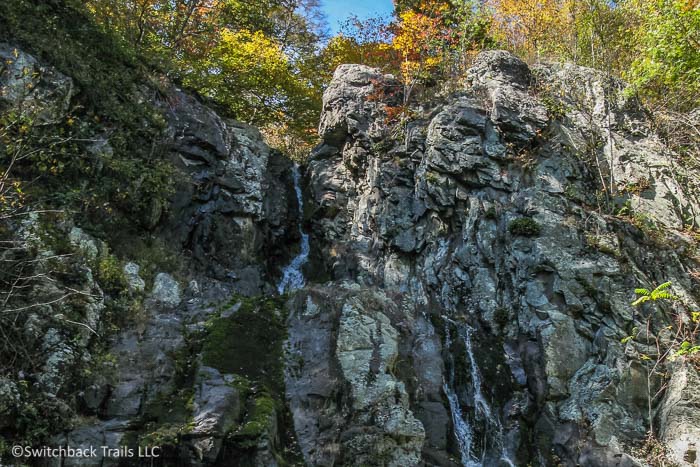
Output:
x,y
84,242
217,408
40,91
134,281
9,398
425,220
346,110
411,241
679,415
166,290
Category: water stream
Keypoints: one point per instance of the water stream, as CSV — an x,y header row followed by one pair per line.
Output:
x,y
292,275
493,451
463,430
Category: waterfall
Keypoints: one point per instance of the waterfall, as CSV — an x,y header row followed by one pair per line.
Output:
x,y
292,276
471,455
463,430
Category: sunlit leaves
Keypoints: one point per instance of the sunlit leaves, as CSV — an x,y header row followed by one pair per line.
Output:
x,y
667,63
659,293
259,59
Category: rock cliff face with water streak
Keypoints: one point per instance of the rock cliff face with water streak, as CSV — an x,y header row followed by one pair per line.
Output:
x,y
466,290
471,285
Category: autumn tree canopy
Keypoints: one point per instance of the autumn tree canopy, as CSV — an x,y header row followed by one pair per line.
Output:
x,y
269,60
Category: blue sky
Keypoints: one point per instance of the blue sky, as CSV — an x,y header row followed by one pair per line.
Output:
x,y
338,10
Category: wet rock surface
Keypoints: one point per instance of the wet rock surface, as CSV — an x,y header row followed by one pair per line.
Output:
x,y
488,212
468,284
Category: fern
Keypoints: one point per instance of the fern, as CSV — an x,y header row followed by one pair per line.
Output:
x,y
659,293
626,339
686,348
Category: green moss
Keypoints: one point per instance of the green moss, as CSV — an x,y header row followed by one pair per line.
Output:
x,y
524,226
556,109
166,419
595,242
260,419
249,345
153,254
383,146
491,213
501,316
249,342
169,415
587,286
638,187
432,178
110,274
168,434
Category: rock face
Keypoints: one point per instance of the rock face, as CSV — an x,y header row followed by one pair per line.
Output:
x,y
343,355
468,286
496,214
228,224
34,86
231,210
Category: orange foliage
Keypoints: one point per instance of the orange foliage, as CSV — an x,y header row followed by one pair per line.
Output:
x,y
525,25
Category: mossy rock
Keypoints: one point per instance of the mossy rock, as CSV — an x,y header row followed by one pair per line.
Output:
x,y
491,213
248,342
261,420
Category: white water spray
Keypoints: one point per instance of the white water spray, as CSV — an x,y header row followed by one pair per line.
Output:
x,y
292,275
464,432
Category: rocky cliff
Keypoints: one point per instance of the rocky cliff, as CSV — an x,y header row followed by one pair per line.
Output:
x,y
481,263
467,296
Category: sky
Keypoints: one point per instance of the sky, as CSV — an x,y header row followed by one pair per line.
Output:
x,y
338,11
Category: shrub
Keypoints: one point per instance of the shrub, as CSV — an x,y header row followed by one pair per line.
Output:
x,y
524,226
491,213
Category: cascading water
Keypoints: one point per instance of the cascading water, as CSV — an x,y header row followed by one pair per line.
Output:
x,y
292,275
464,431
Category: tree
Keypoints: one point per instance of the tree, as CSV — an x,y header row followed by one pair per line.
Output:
x,y
418,39
247,72
667,57
365,41
437,39
258,59
530,27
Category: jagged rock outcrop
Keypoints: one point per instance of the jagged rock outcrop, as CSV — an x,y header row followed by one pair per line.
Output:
x,y
494,217
228,222
231,210
467,297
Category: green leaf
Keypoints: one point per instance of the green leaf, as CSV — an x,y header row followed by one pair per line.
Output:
x,y
640,300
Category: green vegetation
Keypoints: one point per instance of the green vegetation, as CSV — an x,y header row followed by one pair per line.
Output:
x,y
659,293
169,416
97,161
491,213
256,351
246,340
679,340
58,154
668,65
258,60
524,226
110,274
57,171
652,44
